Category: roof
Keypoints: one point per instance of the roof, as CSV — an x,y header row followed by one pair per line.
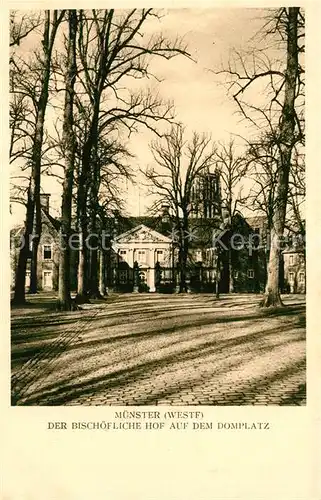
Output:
x,y
294,249
162,226
140,230
259,221
19,229
55,222
201,229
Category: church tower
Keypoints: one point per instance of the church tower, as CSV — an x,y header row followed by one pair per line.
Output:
x,y
206,196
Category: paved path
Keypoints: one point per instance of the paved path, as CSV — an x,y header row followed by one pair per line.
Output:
x,y
161,350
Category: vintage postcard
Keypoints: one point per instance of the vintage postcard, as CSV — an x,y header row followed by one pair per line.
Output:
x,y
161,288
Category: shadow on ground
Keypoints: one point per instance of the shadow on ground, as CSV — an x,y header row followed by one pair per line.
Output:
x,y
181,350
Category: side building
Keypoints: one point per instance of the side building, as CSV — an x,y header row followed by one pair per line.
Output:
x,y
48,250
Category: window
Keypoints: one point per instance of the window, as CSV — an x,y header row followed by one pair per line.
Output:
x,y
141,255
301,277
122,276
291,260
47,253
236,274
250,273
291,277
198,255
160,255
122,252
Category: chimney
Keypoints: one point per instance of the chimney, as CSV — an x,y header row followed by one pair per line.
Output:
x,y
165,212
44,201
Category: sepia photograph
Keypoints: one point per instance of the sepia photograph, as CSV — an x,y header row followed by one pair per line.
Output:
x,y
157,207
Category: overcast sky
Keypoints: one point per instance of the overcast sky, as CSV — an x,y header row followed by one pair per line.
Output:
x,y
201,102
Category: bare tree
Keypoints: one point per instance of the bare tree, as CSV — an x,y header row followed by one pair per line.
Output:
x,y
112,51
108,170
179,164
21,25
262,171
284,84
39,95
295,219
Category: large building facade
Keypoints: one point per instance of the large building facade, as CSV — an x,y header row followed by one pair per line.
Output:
x,y
142,254
143,251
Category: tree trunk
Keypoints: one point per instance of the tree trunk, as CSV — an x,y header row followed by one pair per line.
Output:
x,y
33,288
217,265
33,201
217,280
82,221
82,207
183,254
20,278
93,282
35,243
64,298
82,296
286,143
102,268
230,269
183,269
272,295
108,270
